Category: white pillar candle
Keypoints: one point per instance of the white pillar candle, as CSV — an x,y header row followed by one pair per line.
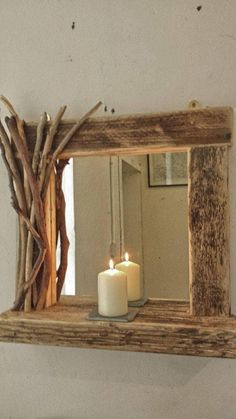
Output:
x,y
132,271
112,292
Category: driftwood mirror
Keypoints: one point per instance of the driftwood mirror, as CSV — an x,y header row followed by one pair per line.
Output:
x,y
35,156
141,207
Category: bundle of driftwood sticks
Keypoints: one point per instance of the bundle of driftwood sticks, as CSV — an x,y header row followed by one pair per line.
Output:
x,y
29,174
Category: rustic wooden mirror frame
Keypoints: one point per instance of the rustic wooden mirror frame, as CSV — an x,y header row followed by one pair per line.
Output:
x,y
203,326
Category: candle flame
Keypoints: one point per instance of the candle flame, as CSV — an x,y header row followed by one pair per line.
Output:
x,y
111,264
126,256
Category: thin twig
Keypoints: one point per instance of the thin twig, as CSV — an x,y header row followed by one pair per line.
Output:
x,y
47,146
8,105
39,139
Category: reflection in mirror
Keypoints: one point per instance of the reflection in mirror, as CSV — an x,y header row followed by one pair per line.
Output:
x,y
124,204
68,189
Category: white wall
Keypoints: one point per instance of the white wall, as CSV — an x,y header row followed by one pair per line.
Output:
x,y
137,56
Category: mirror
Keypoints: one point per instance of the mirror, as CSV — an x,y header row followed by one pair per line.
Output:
x,y
134,203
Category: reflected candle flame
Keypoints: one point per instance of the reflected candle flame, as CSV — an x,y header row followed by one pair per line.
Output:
x,y
126,256
111,264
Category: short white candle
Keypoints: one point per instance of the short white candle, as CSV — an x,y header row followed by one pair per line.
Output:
x,y
112,292
132,271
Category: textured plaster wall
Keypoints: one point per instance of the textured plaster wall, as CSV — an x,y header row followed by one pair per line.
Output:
x,y
165,229
137,56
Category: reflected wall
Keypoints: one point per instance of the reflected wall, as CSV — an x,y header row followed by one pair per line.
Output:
x,y
116,210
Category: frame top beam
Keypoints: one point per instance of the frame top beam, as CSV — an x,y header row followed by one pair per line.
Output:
x,y
148,133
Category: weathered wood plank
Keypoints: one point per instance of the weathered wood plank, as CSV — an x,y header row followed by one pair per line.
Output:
x,y
209,231
154,329
146,133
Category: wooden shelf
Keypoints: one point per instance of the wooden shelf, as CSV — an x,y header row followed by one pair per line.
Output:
x,y
162,326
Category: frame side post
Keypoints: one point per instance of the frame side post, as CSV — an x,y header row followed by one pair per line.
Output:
x,y
209,231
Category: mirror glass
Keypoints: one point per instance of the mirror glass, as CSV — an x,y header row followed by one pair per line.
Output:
x,y
135,204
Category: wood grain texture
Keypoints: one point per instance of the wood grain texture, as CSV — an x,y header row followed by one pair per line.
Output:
x,y
145,133
209,231
161,326
50,220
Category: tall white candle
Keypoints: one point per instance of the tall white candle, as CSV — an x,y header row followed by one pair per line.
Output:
x,y
132,271
112,292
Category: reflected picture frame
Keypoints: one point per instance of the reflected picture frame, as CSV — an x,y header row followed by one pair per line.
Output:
x,y
167,169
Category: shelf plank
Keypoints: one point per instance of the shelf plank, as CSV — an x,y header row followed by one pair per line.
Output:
x,y
162,326
145,133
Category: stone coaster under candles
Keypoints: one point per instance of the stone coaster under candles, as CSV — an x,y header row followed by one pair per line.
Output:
x,y
138,303
129,317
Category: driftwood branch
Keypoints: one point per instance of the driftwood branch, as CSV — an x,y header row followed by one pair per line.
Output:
x,y
38,205
20,126
39,140
47,147
30,239
42,252
29,177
